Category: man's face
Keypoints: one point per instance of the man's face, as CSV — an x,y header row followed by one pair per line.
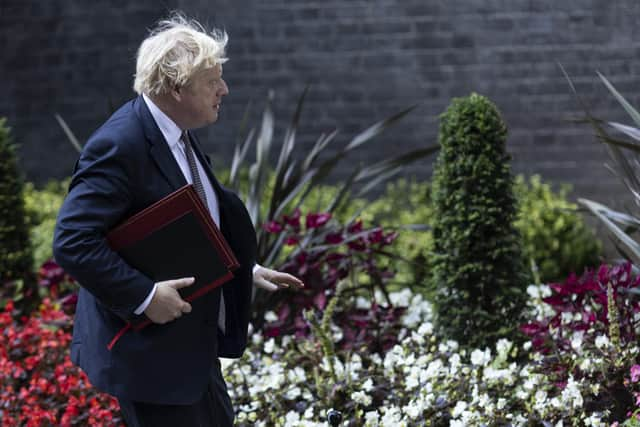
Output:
x,y
201,98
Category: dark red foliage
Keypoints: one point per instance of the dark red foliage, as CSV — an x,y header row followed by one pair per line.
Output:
x,y
585,298
339,251
58,285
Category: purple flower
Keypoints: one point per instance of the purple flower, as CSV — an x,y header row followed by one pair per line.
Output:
x,y
635,373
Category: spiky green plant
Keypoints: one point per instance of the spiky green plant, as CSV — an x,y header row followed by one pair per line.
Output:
x,y
623,147
295,176
479,277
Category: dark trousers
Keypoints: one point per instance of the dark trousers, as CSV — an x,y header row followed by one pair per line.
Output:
x,y
214,409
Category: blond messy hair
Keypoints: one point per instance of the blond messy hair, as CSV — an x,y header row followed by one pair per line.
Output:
x,y
175,50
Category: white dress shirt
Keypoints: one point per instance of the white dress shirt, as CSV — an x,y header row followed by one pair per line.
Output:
x,y
172,133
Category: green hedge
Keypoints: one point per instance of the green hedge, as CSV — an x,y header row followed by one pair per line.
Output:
x,y
554,234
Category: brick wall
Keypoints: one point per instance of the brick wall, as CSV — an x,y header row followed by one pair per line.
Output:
x,y
365,59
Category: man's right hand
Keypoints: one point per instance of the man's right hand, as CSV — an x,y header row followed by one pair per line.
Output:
x,y
166,304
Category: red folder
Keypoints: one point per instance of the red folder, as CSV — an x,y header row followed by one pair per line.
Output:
x,y
174,238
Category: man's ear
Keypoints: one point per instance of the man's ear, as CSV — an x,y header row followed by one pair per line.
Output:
x,y
176,93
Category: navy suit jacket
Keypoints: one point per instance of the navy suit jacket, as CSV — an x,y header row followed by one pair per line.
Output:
x,y
125,166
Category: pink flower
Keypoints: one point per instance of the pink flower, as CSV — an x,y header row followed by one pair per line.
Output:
x,y
273,227
291,240
635,373
293,219
317,220
355,227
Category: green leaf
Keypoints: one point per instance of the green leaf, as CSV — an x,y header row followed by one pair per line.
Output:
x,y
67,131
377,128
628,108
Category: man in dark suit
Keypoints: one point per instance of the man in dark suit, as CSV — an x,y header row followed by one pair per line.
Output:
x,y
168,374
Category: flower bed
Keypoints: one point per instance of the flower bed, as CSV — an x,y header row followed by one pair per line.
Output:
x,y
580,367
39,386
426,381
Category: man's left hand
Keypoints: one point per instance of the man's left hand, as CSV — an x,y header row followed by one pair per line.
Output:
x,y
272,280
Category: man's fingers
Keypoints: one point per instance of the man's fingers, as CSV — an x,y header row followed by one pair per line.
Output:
x,y
186,308
265,284
288,280
180,283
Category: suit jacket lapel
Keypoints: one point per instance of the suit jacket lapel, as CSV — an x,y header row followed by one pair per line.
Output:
x,y
158,147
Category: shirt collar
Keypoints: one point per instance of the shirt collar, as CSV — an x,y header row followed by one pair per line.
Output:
x,y
169,129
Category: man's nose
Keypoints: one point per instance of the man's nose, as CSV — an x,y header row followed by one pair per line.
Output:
x,y
224,90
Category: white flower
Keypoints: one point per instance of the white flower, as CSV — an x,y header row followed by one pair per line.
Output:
x,y
256,338
371,419
417,338
270,316
413,409
411,318
522,394
413,379
454,363
492,374
363,303
308,414
367,385
540,397
571,394
585,365
286,340
433,370
269,346
503,346
293,393
576,339
602,341
337,333
361,397
501,403
566,317
297,375
480,358
594,420
402,298
391,416
460,407
426,329
292,419
456,423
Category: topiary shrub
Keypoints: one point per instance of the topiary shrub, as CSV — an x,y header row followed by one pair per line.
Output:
x,y
478,274
15,248
554,235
